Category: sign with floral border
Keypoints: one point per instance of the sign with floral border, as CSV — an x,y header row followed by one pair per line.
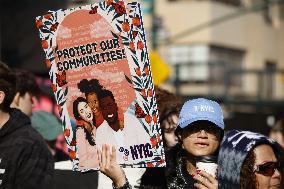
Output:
x,y
100,72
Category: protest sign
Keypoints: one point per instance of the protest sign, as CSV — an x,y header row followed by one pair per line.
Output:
x,y
101,78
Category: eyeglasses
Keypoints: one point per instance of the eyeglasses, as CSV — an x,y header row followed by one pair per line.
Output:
x,y
210,129
267,169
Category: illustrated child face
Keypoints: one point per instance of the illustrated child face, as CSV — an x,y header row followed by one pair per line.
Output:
x,y
109,109
85,112
93,102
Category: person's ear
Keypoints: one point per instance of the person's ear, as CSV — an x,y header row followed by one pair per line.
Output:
x,y
2,97
16,101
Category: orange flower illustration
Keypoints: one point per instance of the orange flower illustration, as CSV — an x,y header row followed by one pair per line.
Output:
x,y
136,21
125,26
131,46
39,24
72,154
138,71
44,44
148,118
53,87
140,45
66,132
146,70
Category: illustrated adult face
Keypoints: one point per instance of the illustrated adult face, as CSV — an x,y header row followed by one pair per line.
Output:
x,y
201,138
264,154
85,112
109,109
93,102
169,126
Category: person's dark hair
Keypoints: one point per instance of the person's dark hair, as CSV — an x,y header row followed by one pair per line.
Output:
x,y
248,178
7,85
105,93
26,83
91,86
4,68
77,116
168,103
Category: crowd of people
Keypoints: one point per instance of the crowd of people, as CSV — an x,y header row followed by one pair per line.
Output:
x,y
191,131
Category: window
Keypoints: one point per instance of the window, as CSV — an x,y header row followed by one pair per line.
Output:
x,y
224,60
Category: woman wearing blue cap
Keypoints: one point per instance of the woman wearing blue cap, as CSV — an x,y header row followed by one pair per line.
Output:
x,y
200,131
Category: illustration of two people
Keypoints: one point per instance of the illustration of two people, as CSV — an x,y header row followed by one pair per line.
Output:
x,y
100,121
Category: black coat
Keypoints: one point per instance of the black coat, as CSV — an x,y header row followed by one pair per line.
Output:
x,y
176,174
25,161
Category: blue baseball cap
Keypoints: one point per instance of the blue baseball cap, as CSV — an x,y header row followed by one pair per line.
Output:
x,y
201,109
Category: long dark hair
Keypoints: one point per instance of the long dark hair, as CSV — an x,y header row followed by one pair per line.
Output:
x,y
89,136
248,178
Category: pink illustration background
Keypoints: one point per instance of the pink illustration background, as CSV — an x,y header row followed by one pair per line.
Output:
x,y
81,28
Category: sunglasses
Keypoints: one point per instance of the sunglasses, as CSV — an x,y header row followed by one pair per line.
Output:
x,y
267,169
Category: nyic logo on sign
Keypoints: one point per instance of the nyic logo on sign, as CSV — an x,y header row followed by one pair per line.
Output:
x,y
204,108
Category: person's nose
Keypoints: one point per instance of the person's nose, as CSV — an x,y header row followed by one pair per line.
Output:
x,y
277,173
175,138
202,134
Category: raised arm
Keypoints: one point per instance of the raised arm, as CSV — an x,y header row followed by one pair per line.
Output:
x,y
110,168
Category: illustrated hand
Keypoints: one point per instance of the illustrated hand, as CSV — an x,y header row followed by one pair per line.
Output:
x,y
109,166
205,180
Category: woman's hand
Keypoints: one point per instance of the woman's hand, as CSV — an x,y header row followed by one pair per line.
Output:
x,y
109,166
205,180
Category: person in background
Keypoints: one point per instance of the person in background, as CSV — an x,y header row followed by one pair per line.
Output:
x,y
25,161
248,160
169,107
277,132
26,89
49,128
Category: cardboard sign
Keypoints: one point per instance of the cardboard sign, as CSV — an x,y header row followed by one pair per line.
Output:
x,y
101,78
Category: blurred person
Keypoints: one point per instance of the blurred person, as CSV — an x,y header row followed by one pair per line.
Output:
x,y
249,160
169,106
25,161
50,128
26,89
277,132
85,134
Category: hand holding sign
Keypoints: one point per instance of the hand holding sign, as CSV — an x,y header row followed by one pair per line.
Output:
x,y
109,166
